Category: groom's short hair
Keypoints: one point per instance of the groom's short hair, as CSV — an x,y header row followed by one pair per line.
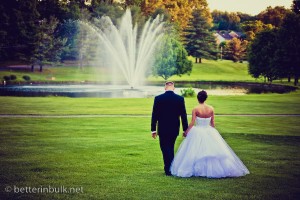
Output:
x,y
169,83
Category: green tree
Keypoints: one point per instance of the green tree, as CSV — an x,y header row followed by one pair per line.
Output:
x,y
245,17
25,18
86,43
296,6
69,29
114,11
72,11
229,20
261,55
58,9
4,31
162,12
171,59
251,28
48,48
138,3
290,46
199,40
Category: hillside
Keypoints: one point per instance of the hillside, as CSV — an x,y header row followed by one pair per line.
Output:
x,y
209,70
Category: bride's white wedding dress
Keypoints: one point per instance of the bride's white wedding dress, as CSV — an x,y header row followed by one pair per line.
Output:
x,y
205,153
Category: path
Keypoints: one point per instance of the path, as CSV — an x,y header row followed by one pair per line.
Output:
x,y
132,116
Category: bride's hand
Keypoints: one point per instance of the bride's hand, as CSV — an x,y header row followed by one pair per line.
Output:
x,y
154,135
184,134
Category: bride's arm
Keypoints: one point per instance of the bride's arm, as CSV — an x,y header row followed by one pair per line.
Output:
x,y
191,123
212,121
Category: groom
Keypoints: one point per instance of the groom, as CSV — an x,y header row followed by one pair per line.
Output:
x,y
167,110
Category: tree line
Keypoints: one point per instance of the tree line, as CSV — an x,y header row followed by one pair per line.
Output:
x,y
274,52
269,41
38,32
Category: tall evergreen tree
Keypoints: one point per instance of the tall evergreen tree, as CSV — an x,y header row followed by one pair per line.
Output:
x,y
69,29
58,9
47,47
26,25
19,21
296,6
200,41
4,30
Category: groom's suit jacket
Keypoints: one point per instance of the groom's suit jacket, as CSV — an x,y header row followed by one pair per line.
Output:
x,y
167,110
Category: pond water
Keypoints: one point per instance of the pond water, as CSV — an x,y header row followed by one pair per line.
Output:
x,y
124,91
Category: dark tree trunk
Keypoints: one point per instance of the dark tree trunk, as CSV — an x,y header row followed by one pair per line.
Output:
x,y
296,80
41,68
32,68
200,61
289,79
196,60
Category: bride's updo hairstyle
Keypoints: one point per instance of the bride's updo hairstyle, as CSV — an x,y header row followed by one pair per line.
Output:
x,y
202,96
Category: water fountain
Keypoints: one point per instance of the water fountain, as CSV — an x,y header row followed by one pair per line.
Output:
x,y
125,49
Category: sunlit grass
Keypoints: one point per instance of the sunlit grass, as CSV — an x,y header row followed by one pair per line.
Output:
x,y
246,104
115,158
208,70
223,70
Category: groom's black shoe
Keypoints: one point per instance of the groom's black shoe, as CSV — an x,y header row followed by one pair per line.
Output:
x,y
168,174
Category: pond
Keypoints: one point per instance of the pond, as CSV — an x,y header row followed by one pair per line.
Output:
x,y
124,91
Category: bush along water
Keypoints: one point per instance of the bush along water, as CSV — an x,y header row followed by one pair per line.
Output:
x,y
26,78
187,92
10,78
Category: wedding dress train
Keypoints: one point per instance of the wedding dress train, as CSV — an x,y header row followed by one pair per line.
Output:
x,y
205,153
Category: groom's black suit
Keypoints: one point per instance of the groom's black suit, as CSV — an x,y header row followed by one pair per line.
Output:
x,y
167,110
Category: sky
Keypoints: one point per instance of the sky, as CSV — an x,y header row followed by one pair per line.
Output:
x,y
252,7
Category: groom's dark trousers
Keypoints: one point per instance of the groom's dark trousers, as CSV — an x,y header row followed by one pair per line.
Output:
x,y
167,110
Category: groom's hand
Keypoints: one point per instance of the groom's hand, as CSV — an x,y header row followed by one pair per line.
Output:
x,y
154,135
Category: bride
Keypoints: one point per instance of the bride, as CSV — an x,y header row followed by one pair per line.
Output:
x,y
204,152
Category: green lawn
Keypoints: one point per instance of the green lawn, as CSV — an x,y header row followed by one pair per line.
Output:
x,y
245,104
61,74
115,158
209,70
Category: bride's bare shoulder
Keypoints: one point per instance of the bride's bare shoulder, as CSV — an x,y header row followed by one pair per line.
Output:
x,y
210,107
195,109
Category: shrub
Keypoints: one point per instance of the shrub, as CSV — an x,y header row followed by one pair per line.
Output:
x,y
188,92
6,78
26,78
13,77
